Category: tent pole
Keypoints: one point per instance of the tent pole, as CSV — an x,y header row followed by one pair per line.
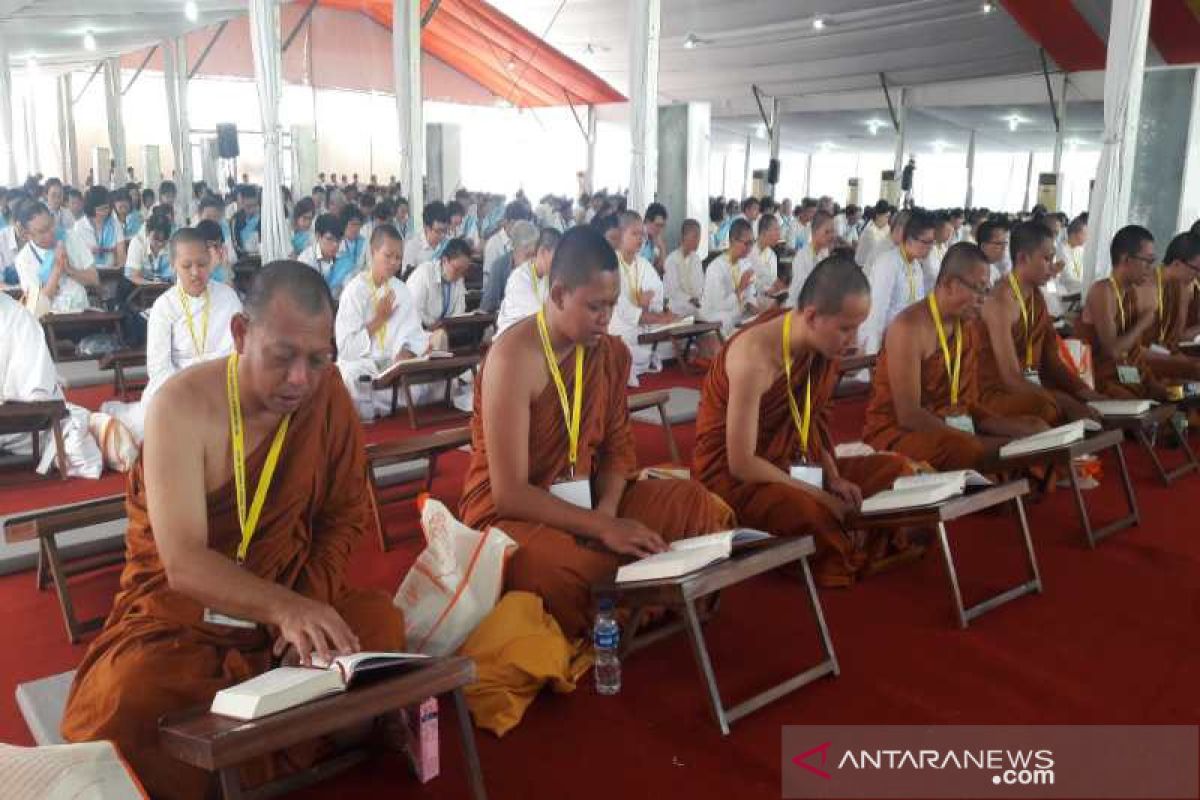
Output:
x,y
646,20
776,131
591,147
406,63
970,170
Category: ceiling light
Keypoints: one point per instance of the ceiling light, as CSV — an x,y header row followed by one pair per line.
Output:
x,y
1014,120
818,24
191,11
875,125
828,146
988,6
692,41
760,130
939,145
89,41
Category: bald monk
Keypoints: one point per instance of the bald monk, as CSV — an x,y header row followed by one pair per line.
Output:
x,y
762,441
1020,368
925,396
523,478
1172,290
207,600
1116,318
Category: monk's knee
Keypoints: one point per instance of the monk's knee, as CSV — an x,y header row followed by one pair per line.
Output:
x,y
561,572
374,618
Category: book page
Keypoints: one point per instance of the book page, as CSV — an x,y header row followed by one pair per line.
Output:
x,y
356,661
961,478
669,564
721,542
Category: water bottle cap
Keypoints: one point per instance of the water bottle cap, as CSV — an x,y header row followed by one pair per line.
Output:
x,y
607,604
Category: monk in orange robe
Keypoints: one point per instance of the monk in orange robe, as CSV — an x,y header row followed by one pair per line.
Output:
x,y
555,479
1020,368
1172,289
762,440
208,600
1117,317
925,392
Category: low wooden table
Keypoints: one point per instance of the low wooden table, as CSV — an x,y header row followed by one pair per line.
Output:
x,y
659,400
413,448
953,509
1144,427
683,592
14,292
1064,456
54,324
404,374
33,418
681,337
221,744
119,361
144,295
465,331
849,365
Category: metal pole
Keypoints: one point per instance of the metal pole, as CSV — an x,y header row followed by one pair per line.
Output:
x,y
591,148
1061,132
406,61
808,176
646,20
776,131
1028,179
970,170
901,135
746,175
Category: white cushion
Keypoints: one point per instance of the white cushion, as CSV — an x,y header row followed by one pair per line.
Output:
x,y
80,374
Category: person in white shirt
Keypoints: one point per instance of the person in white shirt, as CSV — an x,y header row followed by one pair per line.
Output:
x,y
303,215
324,252
188,324
53,274
427,245
211,208
729,293
13,238
992,235
806,260
898,279
848,225
354,245
787,222
802,228
528,283
462,225
64,220
683,278
500,242
654,247
763,260
439,290
147,260
874,237
943,235
1070,279
98,230
640,301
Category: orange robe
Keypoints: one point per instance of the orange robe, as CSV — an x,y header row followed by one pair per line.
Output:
x,y
1164,333
553,563
156,655
1006,403
944,449
1104,365
779,508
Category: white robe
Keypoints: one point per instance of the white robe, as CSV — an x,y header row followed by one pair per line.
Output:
x,y
426,285
803,264
894,286
765,264
871,243
170,348
721,302
499,244
524,294
683,282
627,315
417,251
72,296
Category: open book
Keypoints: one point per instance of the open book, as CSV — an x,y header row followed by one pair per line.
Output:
x,y
1122,408
918,491
689,555
285,687
666,326
1049,440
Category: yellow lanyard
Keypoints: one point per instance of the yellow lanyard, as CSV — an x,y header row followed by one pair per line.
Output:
x,y
376,296
735,273
634,277
955,370
1075,263
537,283
248,521
197,344
572,411
1162,307
1027,316
912,276
1120,303
802,424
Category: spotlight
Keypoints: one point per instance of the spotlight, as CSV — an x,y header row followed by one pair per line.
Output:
x,y
988,6
818,24
89,41
191,11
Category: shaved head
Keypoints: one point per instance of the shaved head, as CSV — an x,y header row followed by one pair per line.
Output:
x,y
834,278
301,283
581,253
960,262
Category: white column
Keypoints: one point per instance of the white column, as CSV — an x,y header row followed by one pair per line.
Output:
x,y
970,170
1058,138
746,180
171,88
1124,70
183,196
591,148
66,130
8,151
776,132
1028,180
645,17
808,175
116,121
901,135
1189,196
275,242
406,66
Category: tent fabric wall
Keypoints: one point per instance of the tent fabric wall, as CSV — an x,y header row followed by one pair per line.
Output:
x,y
116,122
8,152
275,240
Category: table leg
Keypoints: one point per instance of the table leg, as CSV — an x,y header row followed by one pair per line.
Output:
x,y
61,456
672,447
952,574
696,635
470,755
1035,583
1079,505
58,577
814,601
231,783
1130,496
408,399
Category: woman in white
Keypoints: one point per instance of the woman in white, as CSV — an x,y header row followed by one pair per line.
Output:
x,y
147,260
640,302
53,274
98,229
683,278
729,292
525,291
188,324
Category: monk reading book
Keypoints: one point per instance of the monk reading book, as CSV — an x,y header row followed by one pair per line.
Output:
x,y
1020,368
1116,319
552,449
1171,288
925,398
762,440
243,511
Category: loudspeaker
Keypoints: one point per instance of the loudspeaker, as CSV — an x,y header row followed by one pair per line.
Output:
x,y
773,172
227,140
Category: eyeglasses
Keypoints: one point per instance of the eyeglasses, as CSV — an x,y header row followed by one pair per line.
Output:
x,y
979,290
1000,243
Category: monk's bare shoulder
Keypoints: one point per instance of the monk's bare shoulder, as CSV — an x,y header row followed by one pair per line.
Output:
x,y
749,358
513,359
197,395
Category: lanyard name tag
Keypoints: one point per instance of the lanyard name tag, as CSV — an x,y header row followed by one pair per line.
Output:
x,y
1128,374
577,492
1033,377
961,422
1159,350
812,474
217,618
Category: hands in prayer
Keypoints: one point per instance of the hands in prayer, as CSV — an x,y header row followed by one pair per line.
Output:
x,y
746,279
307,627
384,307
630,537
645,298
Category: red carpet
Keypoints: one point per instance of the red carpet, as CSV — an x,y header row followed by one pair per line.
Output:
x,y
1112,640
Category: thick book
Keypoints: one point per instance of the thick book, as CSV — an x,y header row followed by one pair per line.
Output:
x,y
1052,439
689,555
1122,408
286,687
666,326
959,478
911,497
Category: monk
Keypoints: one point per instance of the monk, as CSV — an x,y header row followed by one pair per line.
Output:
x,y
1172,291
211,595
1116,318
925,394
762,440
552,455
1020,368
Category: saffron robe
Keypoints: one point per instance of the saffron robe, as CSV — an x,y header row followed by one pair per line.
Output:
x,y
1104,364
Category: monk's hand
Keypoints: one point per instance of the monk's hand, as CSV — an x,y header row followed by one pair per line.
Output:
x,y
311,627
746,279
632,538
645,298
847,492
385,307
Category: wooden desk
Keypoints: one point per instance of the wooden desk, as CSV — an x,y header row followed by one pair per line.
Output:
x,y
53,324
682,593
221,744
659,400
849,365
45,526
119,361
957,508
1144,430
465,331
413,448
1063,457
404,374
33,418
14,292
687,334
144,295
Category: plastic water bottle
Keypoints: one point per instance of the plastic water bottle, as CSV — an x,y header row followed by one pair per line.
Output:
x,y
606,637
364,399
